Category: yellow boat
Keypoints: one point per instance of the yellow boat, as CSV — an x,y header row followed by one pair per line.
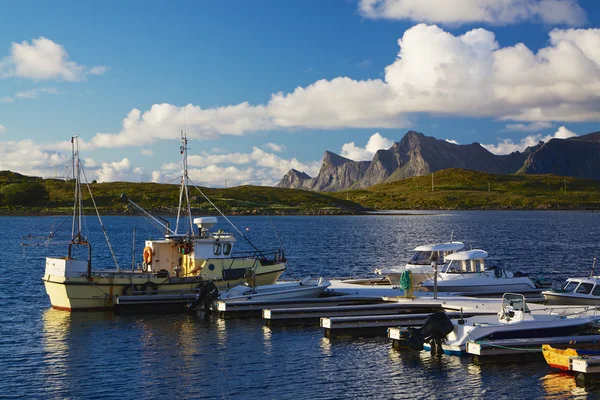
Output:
x,y
558,358
177,264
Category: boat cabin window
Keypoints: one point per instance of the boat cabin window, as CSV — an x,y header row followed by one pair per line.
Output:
x,y
596,291
570,286
584,288
226,248
217,249
427,257
462,266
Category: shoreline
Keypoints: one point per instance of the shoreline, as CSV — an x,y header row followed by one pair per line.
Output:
x,y
323,213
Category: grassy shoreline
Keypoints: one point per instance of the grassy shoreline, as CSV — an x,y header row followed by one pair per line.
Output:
x,y
453,189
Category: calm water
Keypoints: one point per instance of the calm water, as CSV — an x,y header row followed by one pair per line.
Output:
x,y
46,353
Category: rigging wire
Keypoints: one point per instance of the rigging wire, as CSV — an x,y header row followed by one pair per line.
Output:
x,y
227,219
112,253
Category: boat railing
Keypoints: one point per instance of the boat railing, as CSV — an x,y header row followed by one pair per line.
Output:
x,y
575,311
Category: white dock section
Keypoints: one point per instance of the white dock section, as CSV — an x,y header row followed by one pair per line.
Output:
x,y
312,315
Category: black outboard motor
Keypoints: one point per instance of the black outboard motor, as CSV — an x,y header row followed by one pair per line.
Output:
x,y
435,328
207,294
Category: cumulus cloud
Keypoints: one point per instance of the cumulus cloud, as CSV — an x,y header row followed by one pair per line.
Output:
x,y
435,72
256,166
35,93
375,142
119,171
163,121
28,157
147,152
3,128
6,99
43,59
275,147
456,12
532,127
507,146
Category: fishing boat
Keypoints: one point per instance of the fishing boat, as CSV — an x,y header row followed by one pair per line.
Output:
x,y
514,320
420,263
466,272
178,263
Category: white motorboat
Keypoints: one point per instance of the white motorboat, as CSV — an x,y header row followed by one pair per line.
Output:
x,y
514,320
420,263
466,272
306,288
575,291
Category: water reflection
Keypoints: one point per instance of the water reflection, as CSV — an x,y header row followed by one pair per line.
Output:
x,y
559,385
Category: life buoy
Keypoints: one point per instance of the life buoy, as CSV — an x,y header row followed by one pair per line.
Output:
x,y
147,254
130,289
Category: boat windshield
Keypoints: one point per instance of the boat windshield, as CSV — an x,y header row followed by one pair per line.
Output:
x,y
584,288
427,257
516,301
570,286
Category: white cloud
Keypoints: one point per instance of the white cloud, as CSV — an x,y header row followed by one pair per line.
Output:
x,y
376,142
147,152
119,171
507,146
35,93
164,121
455,12
6,99
43,59
3,128
532,127
563,133
435,72
452,141
27,157
261,167
275,147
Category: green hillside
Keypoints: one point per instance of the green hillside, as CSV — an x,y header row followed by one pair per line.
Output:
x,y
19,194
461,189
453,189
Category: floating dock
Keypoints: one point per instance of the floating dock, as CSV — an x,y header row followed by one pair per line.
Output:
x,y
312,315
254,309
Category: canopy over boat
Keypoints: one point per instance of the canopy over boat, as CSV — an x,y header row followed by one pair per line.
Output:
x,y
450,246
467,255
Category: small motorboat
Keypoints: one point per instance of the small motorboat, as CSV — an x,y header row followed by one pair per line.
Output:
x,y
575,291
466,272
420,263
561,358
513,321
306,288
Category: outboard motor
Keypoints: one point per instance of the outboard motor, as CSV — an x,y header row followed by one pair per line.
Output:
x,y
435,328
207,294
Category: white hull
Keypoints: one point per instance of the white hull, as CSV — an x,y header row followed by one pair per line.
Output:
x,y
281,291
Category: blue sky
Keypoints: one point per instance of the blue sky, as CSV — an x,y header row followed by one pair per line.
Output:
x,y
265,86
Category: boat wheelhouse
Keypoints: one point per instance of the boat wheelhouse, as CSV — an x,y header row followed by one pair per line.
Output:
x,y
420,263
575,291
466,272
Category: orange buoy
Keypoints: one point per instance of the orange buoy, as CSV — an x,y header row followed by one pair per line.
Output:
x,y
147,254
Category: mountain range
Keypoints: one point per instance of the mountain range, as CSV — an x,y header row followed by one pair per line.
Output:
x,y
417,154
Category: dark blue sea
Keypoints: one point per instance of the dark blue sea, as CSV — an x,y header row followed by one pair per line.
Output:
x,y
51,354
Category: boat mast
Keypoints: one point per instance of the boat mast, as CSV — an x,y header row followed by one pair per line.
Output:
x,y
77,206
184,186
